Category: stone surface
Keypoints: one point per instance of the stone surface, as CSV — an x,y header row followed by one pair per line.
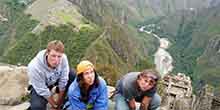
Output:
x,y
176,92
13,83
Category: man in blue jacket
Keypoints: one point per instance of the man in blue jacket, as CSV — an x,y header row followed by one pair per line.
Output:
x,y
88,91
48,68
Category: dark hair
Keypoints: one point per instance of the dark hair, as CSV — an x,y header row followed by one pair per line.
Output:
x,y
85,93
150,73
55,45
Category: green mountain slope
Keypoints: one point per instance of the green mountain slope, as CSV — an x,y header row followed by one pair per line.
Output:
x,y
194,38
207,68
105,32
75,43
122,48
114,45
17,25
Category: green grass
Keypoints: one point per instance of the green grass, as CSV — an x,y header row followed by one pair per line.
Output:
x,y
65,17
69,15
108,63
75,42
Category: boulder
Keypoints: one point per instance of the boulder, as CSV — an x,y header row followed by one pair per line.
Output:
x,y
176,92
13,84
22,106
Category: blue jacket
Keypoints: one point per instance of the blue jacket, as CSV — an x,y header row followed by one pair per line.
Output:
x,y
99,97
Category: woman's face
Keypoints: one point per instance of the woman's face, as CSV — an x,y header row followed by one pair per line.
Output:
x,y
89,76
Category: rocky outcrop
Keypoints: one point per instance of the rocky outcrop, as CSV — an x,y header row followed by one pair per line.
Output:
x,y
216,103
204,99
176,92
13,83
177,95
207,100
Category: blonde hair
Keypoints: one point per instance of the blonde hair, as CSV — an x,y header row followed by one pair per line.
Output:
x,y
56,45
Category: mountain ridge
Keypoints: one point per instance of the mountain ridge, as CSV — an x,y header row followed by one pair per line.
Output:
x,y
111,27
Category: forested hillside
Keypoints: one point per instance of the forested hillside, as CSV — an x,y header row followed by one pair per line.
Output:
x,y
105,32
194,37
112,43
17,25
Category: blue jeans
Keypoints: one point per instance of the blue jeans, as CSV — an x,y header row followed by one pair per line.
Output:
x,y
121,103
37,102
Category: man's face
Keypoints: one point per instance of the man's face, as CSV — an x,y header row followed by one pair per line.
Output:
x,y
54,58
145,83
89,76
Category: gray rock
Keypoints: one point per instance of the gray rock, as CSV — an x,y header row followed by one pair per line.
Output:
x,y
176,92
13,83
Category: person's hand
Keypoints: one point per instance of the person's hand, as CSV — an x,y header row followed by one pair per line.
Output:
x,y
53,109
145,103
132,104
59,102
52,103
61,96
58,108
